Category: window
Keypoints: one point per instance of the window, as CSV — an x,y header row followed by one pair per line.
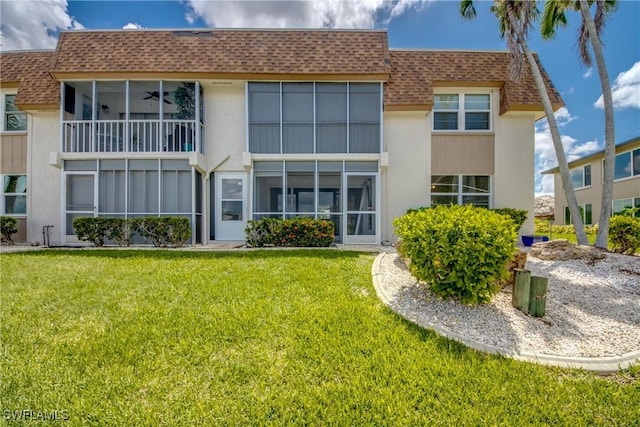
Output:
x,y
461,190
13,118
618,206
316,189
462,112
581,176
14,195
585,213
627,164
314,117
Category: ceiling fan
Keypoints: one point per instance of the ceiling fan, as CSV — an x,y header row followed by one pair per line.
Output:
x,y
156,95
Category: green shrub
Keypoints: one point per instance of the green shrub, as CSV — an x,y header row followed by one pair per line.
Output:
x,y
92,230
542,227
460,251
119,230
295,232
8,227
624,234
518,216
264,232
163,231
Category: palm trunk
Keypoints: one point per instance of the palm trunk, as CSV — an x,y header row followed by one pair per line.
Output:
x,y
609,129
567,185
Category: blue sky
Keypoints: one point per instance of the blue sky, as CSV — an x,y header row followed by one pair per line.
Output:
x,y
33,24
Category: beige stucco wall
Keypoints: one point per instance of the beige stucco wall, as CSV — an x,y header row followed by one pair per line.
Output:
x,y
513,183
43,192
462,153
407,139
13,153
622,189
225,125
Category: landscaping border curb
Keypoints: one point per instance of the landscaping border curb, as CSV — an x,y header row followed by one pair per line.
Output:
x,y
602,365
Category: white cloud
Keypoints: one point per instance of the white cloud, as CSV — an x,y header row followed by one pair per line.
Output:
x,y
546,154
33,24
588,73
625,89
133,26
298,14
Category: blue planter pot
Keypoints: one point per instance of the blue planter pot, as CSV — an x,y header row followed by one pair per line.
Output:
x,y
530,240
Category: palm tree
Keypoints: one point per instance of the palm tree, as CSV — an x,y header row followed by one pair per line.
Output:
x,y
515,19
589,34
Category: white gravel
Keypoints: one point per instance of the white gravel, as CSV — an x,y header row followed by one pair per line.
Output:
x,y
593,309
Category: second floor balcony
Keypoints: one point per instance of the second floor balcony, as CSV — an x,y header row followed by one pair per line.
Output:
x,y
131,116
107,136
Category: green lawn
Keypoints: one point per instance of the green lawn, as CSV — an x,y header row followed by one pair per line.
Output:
x,y
261,337
570,237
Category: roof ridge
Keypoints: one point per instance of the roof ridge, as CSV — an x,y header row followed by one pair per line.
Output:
x,y
243,29
405,49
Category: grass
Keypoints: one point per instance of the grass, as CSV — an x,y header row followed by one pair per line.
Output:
x,y
570,237
264,337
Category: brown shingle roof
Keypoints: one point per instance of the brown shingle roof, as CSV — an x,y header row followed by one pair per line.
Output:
x,y
414,73
29,71
265,54
225,53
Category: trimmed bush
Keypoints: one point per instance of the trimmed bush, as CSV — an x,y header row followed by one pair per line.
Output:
x,y
120,231
92,230
624,234
264,232
163,231
294,232
8,227
516,215
459,251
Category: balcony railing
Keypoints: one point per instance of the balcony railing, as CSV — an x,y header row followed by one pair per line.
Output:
x,y
138,136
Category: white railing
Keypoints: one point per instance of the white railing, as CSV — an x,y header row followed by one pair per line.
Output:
x,y
80,136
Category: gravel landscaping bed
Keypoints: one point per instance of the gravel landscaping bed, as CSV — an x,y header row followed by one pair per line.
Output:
x,y
593,308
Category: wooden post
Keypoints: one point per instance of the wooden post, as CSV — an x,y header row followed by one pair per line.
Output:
x,y
538,296
521,289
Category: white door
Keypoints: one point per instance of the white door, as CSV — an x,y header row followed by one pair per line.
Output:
x,y
231,206
81,199
361,204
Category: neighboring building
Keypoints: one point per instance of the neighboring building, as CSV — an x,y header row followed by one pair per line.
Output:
x,y
223,126
586,175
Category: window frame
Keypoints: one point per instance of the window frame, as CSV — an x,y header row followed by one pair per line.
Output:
x,y
583,170
460,194
635,203
3,194
4,113
583,212
462,112
632,157
353,91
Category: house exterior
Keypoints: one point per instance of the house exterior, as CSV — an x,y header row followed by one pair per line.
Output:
x,y
586,175
224,126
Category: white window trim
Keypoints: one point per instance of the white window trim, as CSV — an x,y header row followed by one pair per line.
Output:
x,y
3,113
584,176
632,198
461,111
583,211
632,176
459,194
3,195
